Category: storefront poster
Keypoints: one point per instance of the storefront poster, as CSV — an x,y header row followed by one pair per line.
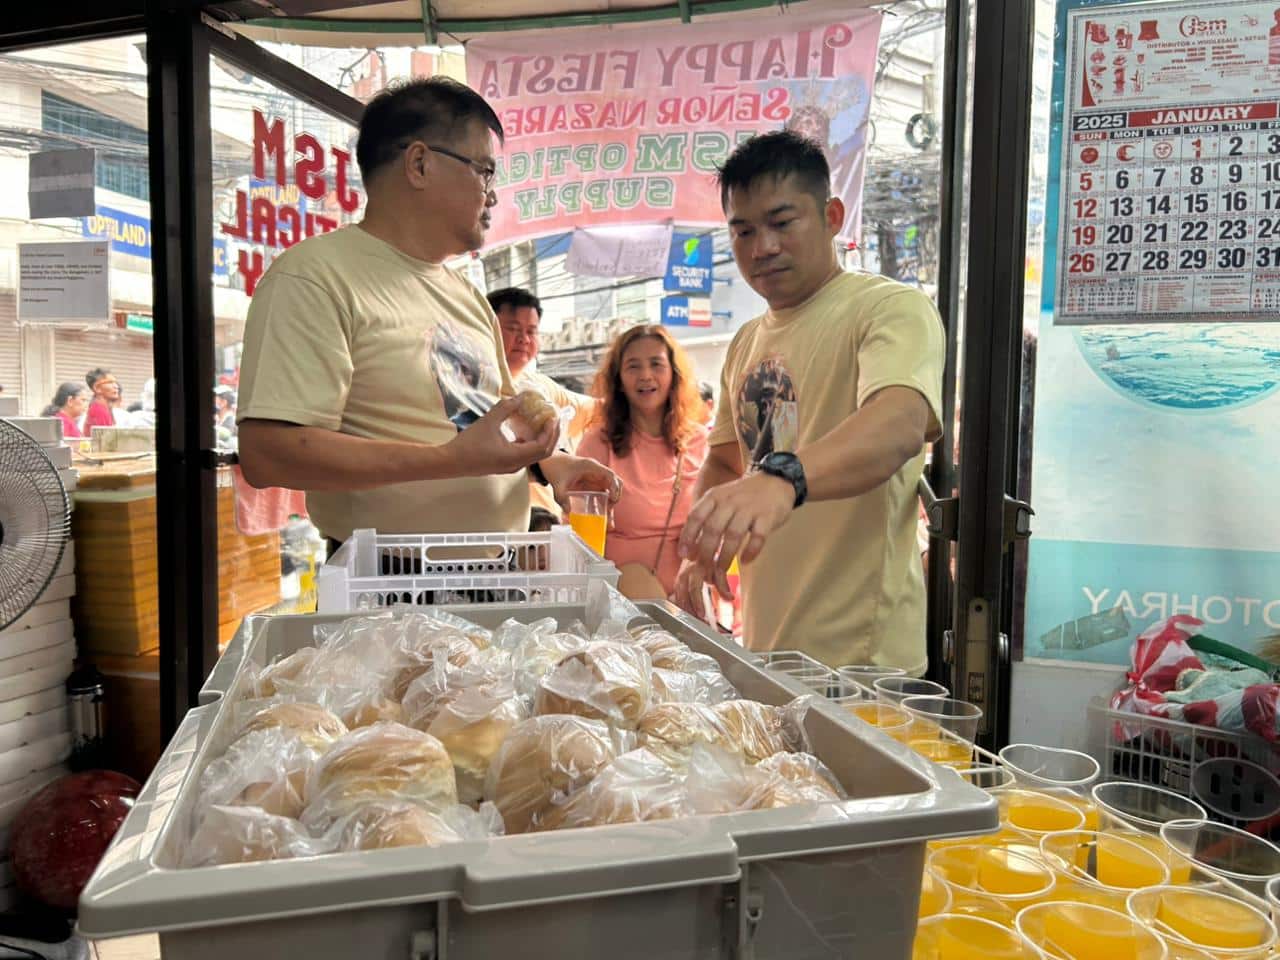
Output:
x,y
64,281
627,126
1155,443
1170,158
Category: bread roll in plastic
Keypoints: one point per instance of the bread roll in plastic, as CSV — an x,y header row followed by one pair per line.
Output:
x,y
265,768
472,726
796,778
247,835
636,787
397,823
313,724
385,761
546,759
606,681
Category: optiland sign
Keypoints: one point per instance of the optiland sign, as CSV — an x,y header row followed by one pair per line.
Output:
x,y
1217,609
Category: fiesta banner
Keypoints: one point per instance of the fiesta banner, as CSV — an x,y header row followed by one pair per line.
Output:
x,y
628,126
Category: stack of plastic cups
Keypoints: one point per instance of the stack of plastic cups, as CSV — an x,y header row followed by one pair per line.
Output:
x,y
804,669
943,729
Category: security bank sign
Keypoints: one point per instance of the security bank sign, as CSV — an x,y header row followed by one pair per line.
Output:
x,y
689,265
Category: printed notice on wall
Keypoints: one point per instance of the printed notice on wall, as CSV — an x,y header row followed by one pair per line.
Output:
x,y
1170,164
64,282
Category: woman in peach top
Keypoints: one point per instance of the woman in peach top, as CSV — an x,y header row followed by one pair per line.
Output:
x,y
651,436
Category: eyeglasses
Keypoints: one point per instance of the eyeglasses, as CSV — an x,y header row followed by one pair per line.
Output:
x,y
486,174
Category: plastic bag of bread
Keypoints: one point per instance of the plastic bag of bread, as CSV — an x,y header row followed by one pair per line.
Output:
x,y
533,413
472,726
310,722
704,686
422,648
794,779
538,655
284,669
606,681
385,761
477,634
438,686
397,823
545,760
265,768
248,835
669,728
760,730
638,786
607,611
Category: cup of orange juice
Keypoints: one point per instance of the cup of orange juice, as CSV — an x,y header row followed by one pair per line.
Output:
x,y
1273,899
1082,931
589,517
981,872
1101,868
892,720
1216,923
1224,852
1032,814
1144,809
1037,767
935,895
957,937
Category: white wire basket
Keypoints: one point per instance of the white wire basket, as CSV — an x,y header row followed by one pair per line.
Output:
x,y
374,570
1231,773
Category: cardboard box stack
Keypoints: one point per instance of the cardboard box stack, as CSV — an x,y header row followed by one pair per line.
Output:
x,y
37,652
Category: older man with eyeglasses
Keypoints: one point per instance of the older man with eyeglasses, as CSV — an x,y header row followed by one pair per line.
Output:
x,y
373,376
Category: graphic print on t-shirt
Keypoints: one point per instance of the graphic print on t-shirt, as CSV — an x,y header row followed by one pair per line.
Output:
x,y
466,374
768,411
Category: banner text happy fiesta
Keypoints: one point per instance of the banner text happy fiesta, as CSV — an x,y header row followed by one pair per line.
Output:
x,y
628,128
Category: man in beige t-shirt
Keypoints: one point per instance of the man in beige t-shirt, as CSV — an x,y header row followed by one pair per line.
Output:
x,y
826,404
519,315
373,376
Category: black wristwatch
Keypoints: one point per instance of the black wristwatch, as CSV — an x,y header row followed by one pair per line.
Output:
x,y
789,468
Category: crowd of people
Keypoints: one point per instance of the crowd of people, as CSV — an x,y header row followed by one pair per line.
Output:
x,y
381,382
99,402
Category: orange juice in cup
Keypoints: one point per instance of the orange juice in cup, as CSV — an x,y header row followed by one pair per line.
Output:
x,y
957,937
1207,919
1036,814
589,517
1079,931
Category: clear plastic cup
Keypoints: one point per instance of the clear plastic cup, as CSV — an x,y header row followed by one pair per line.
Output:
x,y
1065,930
1030,814
1225,852
981,871
933,715
944,750
1224,926
1273,899
892,720
1036,766
896,689
1145,809
866,674
989,776
1101,867
950,936
935,895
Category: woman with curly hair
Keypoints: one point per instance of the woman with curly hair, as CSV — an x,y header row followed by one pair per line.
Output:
x,y
650,434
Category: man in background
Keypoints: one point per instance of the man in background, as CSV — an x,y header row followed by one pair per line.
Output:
x,y
106,393
519,318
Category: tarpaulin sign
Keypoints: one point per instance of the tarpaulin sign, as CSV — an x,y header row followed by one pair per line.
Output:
x,y
628,126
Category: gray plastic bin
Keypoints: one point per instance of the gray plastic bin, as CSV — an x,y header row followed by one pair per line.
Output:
x,y
821,881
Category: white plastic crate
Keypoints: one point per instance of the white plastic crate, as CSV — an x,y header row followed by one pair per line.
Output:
x,y
373,570
1232,773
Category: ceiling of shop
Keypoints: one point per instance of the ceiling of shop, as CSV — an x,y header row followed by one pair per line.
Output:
x,y
400,22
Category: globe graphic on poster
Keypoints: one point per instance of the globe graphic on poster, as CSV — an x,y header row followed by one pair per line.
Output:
x,y
1186,366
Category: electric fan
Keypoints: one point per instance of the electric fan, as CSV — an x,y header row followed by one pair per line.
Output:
x,y
35,522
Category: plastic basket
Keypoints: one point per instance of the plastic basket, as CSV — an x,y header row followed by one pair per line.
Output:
x,y
1169,754
373,570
